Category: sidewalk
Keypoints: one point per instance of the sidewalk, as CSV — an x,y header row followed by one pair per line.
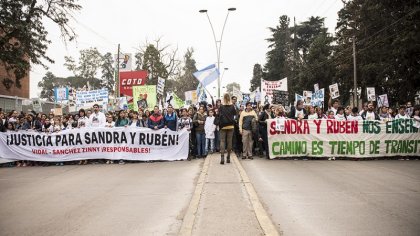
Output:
x,y
221,204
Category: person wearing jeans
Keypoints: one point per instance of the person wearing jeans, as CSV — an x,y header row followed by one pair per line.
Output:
x,y
199,121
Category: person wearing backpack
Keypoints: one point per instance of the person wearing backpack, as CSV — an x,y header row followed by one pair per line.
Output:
x,y
245,129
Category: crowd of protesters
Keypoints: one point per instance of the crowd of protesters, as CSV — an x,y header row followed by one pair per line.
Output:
x,y
222,126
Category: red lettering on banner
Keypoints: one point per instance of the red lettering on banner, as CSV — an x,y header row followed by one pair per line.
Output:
x,y
318,126
342,127
291,127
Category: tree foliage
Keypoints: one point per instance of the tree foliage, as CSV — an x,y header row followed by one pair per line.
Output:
x,y
386,36
23,37
257,75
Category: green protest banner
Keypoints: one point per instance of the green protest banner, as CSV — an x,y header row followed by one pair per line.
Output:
x,y
333,138
144,97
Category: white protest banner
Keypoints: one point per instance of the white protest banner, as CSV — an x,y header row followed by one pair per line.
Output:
x,y
318,98
371,96
237,93
383,100
125,61
36,105
334,92
316,87
307,97
267,88
160,86
333,138
86,99
126,143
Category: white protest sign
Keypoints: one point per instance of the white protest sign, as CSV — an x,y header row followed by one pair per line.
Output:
x,y
334,91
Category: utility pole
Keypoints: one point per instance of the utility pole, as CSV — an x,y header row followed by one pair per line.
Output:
x,y
117,77
355,100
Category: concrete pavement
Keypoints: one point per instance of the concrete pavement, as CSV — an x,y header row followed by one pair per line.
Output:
x,y
340,197
131,199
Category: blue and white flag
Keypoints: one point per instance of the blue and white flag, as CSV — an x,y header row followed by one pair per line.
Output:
x,y
207,75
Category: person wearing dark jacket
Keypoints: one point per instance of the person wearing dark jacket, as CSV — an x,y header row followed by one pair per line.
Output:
x,y
370,114
226,122
298,112
171,119
262,121
156,120
199,120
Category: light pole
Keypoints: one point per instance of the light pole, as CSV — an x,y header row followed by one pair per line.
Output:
x,y
218,43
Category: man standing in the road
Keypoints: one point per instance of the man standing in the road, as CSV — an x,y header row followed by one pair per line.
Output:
x,y
97,118
245,128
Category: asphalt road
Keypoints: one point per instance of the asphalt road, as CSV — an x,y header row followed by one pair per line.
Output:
x,y
301,197
339,197
131,199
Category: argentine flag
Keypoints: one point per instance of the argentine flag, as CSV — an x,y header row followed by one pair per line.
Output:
x,y
207,75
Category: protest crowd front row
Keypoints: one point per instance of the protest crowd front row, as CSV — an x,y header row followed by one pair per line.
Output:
x,y
222,126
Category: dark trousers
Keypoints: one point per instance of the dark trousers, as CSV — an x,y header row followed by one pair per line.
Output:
x,y
226,138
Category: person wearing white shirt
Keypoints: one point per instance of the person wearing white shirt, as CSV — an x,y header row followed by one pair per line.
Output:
x,y
354,115
340,114
416,117
97,118
401,113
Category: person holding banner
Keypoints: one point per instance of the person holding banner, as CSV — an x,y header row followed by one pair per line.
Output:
x,y
370,114
97,118
298,112
245,129
226,122
156,120
416,117
171,119
122,120
402,114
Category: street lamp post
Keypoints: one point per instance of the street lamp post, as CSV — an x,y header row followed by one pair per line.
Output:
x,y
218,43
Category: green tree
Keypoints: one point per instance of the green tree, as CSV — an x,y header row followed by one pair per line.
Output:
x,y
23,37
186,81
48,83
87,69
108,72
257,75
386,45
158,60
277,66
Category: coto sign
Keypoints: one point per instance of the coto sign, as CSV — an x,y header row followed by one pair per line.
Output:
x,y
131,82
131,78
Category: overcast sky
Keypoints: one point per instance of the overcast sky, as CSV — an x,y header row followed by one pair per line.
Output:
x,y
105,23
